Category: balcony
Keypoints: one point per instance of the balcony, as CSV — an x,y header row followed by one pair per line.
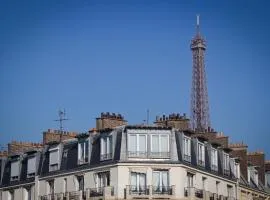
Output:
x,y
159,155
144,154
100,193
146,192
226,172
193,192
107,156
137,154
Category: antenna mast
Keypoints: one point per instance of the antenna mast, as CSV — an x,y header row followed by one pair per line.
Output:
x,y
62,115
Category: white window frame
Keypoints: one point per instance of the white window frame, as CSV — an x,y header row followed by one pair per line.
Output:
x,y
108,141
214,159
52,166
187,148
160,186
138,153
201,153
159,142
138,185
80,159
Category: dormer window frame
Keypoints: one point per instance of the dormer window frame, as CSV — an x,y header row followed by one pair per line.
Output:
x,y
186,148
160,153
201,153
12,166
83,151
54,166
31,174
214,159
106,148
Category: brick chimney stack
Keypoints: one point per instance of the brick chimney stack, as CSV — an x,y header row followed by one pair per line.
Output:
x,y
109,120
239,150
258,159
173,120
54,135
16,147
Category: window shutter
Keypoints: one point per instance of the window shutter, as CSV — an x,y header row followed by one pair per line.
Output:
x,y
15,168
31,165
54,157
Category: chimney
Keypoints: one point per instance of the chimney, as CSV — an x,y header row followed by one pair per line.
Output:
x,y
257,159
173,120
240,150
55,135
110,120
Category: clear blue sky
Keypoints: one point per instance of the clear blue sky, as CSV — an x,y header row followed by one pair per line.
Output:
x,y
130,56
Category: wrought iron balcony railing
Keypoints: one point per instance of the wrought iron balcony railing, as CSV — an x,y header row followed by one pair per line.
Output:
x,y
96,192
201,163
162,190
107,156
159,155
187,158
214,168
137,154
189,191
138,190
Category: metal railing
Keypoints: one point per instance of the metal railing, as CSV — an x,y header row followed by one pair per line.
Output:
x,y
159,154
106,156
226,172
137,154
47,197
161,190
138,190
96,192
190,191
187,158
201,163
75,195
145,154
214,168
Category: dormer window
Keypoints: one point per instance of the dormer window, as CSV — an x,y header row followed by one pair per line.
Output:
x,y
83,152
106,148
187,149
201,154
54,159
253,175
31,166
137,145
160,146
15,169
226,164
214,159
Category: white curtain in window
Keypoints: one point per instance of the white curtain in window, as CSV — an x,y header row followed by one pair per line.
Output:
x,y
31,165
155,143
132,143
133,180
109,145
165,180
164,143
156,181
142,180
142,143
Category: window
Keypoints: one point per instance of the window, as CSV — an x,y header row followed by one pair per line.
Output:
x,y
138,182
80,180
233,166
51,187
226,164
31,167
27,194
187,149
214,159
64,186
160,181
54,159
137,145
10,195
83,152
217,187
106,148
201,154
190,180
160,146
204,183
230,190
102,179
15,170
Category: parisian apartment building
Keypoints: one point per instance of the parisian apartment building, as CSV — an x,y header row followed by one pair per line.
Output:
x,y
116,160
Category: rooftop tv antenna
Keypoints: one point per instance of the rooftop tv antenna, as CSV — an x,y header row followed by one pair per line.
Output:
x,y
62,117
